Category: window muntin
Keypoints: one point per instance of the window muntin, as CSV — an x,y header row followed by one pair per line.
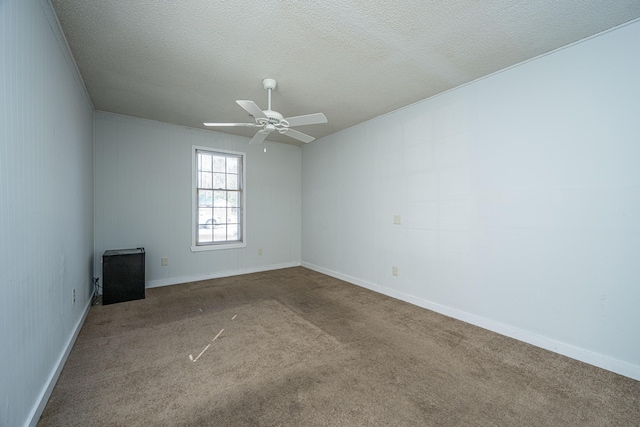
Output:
x,y
219,216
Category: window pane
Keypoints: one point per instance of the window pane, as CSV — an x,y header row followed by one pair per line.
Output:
x,y
205,198
232,232
205,235
219,198
220,233
205,180
205,217
232,199
219,164
232,182
220,215
205,162
232,165
219,180
232,215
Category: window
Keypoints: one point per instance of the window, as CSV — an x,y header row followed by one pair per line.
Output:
x,y
218,199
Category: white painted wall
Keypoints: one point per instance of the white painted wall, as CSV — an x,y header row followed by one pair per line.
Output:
x,y
143,199
519,196
46,206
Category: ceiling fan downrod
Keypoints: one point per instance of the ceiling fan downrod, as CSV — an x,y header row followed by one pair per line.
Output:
x,y
269,85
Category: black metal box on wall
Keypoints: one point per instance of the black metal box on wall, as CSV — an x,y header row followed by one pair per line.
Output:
x,y
122,275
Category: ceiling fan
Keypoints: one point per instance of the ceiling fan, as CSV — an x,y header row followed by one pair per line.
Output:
x,y
271,121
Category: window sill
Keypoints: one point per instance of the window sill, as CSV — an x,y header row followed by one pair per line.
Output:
x,y
218,247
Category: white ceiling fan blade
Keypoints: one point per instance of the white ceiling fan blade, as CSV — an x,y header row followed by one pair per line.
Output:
x,y
307,119
253,109
258,138
299,135
249,125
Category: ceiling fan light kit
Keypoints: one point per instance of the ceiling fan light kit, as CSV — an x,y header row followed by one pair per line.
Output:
x,y
271,121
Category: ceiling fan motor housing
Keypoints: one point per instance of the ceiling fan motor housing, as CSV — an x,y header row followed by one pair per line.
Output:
x,y
274,118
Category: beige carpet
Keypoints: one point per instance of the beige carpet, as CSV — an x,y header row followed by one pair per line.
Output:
x,y
294,347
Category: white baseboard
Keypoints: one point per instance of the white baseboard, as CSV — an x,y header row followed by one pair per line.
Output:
x,y
217,275
599,360
43,398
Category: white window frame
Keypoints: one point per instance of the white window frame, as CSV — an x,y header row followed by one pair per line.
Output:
x,y
194,202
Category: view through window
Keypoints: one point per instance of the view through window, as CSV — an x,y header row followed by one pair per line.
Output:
x,y
219,210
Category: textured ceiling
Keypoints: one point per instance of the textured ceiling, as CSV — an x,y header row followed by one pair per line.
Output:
x,y
186,62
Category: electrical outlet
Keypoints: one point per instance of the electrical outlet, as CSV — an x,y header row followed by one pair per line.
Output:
x,y
164,261
397,220
73,296
260,252
394,270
